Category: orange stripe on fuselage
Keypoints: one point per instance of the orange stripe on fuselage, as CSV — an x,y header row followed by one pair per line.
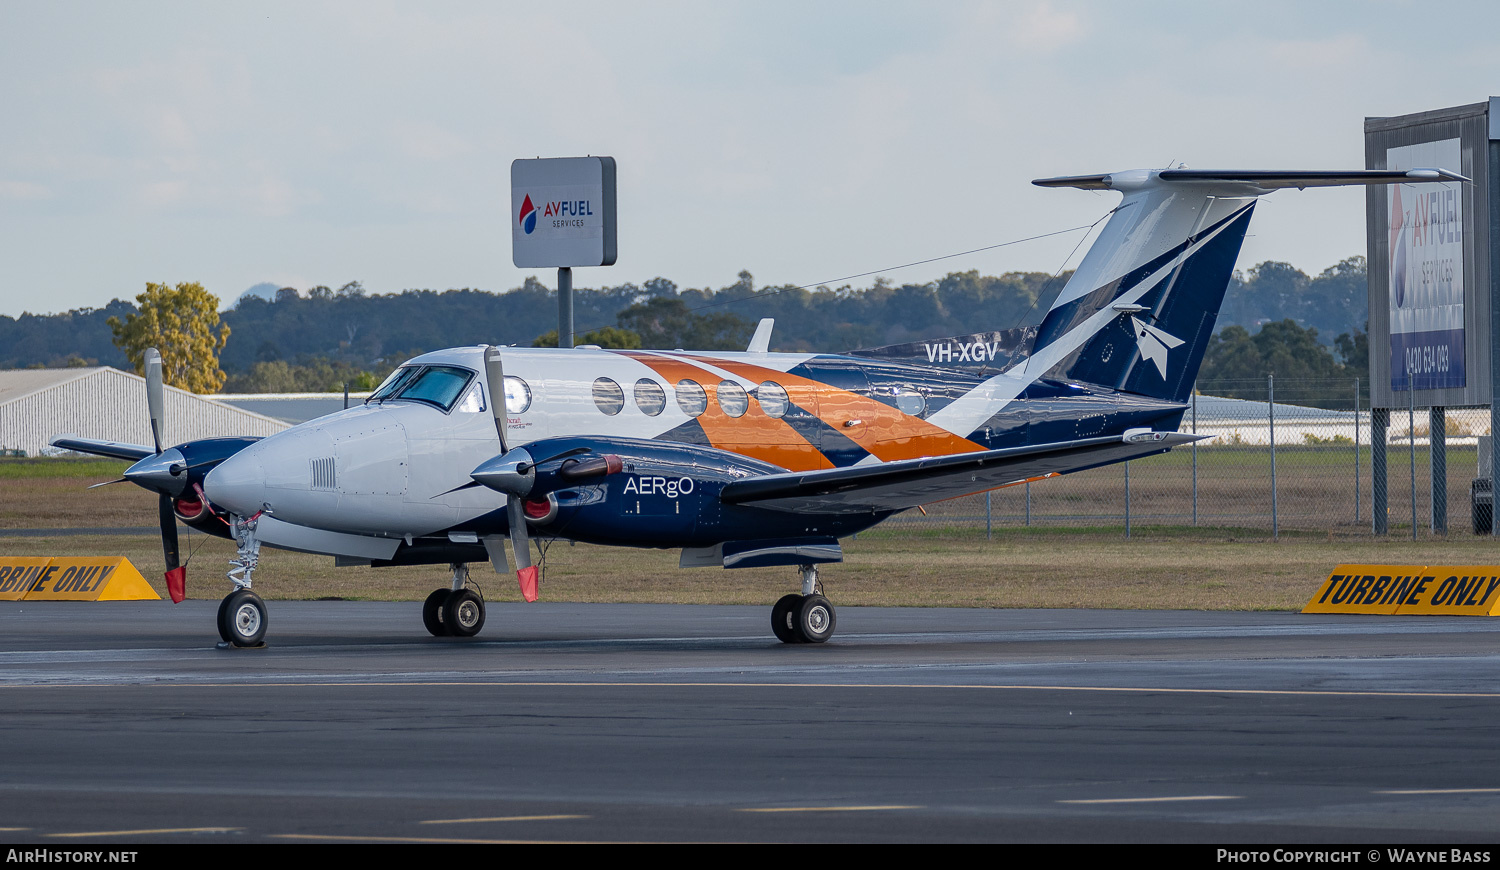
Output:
x,y
883,431
754,434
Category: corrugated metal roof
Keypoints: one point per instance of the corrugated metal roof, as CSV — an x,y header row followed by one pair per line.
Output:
x,y
108,404
19,383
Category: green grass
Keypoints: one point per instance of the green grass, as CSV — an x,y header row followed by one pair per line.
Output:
x,y
15,469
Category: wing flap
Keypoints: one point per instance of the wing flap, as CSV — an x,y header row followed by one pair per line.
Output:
x,y
893,486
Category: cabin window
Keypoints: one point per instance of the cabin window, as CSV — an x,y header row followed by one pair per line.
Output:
x,y
650,397
691,398
732,399
608,396
772,398
909,401
517,395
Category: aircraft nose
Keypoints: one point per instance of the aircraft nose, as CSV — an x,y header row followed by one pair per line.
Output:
x,y
238,483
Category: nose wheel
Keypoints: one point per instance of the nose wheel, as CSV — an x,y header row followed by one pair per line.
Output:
x,y
242,618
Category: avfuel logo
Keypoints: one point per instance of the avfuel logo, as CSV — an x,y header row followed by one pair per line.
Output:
x,y
528,215
562,213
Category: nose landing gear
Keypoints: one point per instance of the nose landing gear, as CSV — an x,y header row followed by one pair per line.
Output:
x,y
242,614
805,618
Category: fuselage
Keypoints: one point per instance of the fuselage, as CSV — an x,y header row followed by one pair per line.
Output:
x,y
400,465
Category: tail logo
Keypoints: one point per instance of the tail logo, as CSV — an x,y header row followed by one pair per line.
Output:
x,y
1154,343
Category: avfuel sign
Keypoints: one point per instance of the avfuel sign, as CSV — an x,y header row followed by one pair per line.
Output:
x,y
562,212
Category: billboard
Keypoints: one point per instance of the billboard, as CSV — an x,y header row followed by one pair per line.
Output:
x,y
562,212
1425,296
1432,321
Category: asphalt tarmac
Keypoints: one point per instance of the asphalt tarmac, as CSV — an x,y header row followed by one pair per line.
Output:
x,y
122,722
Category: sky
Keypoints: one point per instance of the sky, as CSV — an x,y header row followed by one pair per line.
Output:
x,y
305,143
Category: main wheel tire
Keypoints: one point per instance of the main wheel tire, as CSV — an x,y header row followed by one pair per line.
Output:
x,y
224,634
463,614
784,618
432,612
242,618
815,619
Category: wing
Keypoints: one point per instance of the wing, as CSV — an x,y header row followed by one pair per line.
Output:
x,y
112,449
895,486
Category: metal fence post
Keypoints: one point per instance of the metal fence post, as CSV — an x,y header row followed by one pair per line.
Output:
x,y
1028,502
1411,438
1380,422
1127,498
987,514
1356,451
1195,456
1271,411
1437,467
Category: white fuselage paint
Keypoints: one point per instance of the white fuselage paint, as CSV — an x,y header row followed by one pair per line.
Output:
x,y
399,465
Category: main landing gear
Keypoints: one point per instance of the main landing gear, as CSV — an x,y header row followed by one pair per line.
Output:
x,y
456,611
805,618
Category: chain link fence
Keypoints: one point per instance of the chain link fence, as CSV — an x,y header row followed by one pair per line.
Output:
x,y
1279,456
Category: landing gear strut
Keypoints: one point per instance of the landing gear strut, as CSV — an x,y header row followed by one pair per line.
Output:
x,y
805,618
242,615
455,611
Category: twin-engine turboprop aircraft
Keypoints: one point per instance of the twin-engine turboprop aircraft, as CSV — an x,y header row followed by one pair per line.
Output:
x,y
737,459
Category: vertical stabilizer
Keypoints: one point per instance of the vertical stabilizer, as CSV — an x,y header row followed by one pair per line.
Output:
x,y
1138,313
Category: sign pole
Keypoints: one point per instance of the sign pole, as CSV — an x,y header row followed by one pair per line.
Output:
x,y
565,306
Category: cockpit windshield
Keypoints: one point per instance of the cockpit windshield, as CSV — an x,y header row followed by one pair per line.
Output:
x,y
440,386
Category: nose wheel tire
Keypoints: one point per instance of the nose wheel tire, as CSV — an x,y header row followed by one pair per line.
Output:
x,y
784,618
432,612
815,619
242,618
463,613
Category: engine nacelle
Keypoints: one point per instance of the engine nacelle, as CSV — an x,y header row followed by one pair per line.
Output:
x,y
637,492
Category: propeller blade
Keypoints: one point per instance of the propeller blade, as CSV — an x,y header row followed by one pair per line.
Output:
x,y
520,541
520,545
494,373
108,482
155,397
176,575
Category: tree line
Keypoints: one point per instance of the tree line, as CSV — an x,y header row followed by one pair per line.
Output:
x,y
1274,318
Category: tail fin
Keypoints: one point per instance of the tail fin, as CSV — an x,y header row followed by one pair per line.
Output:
x,y
1138,312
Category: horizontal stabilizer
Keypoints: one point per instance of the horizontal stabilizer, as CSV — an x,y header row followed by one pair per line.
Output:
x,y
112,449
893,486
1256,179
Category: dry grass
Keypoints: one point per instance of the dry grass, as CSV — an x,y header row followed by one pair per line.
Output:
x,y
894,565
935,569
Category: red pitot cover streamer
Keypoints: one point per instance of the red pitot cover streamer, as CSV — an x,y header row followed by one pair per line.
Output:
x,y
177,583
527,576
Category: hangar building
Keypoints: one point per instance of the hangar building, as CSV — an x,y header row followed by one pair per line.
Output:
x,y
37,405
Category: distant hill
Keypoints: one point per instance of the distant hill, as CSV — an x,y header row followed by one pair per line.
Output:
x,y
264,290
371,332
